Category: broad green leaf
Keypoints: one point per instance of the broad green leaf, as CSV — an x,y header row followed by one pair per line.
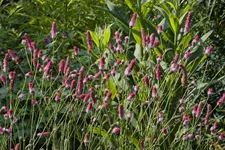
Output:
x,y
136,31
174,22
138,52
184,43
130,4
172,5
95,38
106,34
135,142
112,88
100,131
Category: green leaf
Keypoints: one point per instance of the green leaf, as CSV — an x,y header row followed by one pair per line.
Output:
x,y
130,4
102,132
135,142
136,31
138,52
184,43
106,34
95,38
112,88
174,22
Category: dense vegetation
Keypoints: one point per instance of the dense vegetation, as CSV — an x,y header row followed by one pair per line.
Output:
x,y
87,74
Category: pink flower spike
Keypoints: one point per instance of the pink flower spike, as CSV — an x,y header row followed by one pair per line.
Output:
x,y
3,79
136,88
80,80
102,63
76,50
28,74
108,96
152,40
182,101
116,131
187,55
188,22
209,50
208,114
61,65
10,113
131,96
195,40
89,42
159,30
89,107
13,56
154,92
5,62
133,20
157,43
128,70
28,40
210,92
194,110
117,36
158,72
86,138
199,109
34,102
147,81
53,30
221,136
43,134
164,131
31,87
120,111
